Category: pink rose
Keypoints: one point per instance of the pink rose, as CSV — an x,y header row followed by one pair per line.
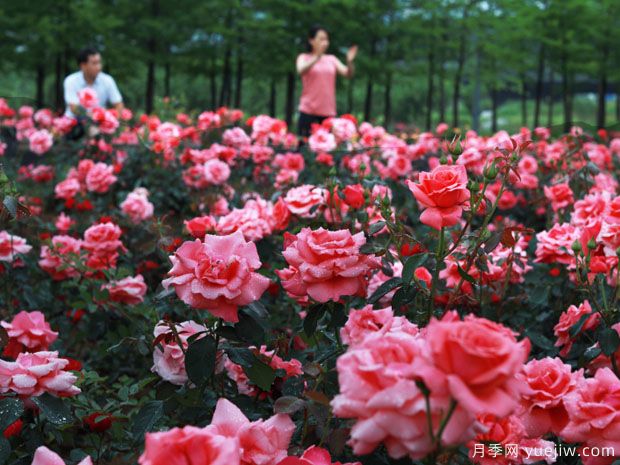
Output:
x,y
129,290
41,141
30,330
366,321
570,318
137,206
322,141
554,246
11,245
594,412
57,258
326,265
254,220
44,456
378,389
560,196
67,189
88,98
169,360
305,201
545,384
261,442
442,194
64,222
216,172
200,226
100,178
314,455
103,237
479,360
189,446
33,374
217,275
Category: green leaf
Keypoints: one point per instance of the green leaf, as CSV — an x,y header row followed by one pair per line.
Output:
x,y
376,227
539,340
492,242
312,318
577,327
413,263
5,450
539,296
200,360
261,374
146,419
241,356
465,276
10,411
609,341
288,405
54,408
384,289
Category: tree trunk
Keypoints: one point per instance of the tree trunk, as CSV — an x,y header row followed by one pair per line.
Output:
x,y
551,96
272,98
494,108
539,85
290,98
387,113
523,101
442,93
60,101
167,79
475,105
150,74
566,90
602,88
618,102
40,85
239,78
213,82
369,84
225,89
456,95
350,95
430,87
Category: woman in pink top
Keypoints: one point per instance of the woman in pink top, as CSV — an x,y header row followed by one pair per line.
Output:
x,y
318,76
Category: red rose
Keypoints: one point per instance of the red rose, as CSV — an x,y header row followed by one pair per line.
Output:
x,y
13,429
98,422
354,195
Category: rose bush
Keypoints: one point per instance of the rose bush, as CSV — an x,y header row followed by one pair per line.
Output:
x,y
201,288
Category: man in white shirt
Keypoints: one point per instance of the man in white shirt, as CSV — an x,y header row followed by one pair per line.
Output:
x,y
90,75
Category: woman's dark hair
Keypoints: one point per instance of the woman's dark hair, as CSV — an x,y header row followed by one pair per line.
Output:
x,y
82,56
312,32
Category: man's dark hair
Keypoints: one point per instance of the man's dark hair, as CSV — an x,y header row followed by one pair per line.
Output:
x,y
82,56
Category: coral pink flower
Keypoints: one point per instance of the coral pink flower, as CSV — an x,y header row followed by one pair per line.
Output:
x,y
100,177
41,141
314,456
11,245
44,456
64,222
217,275
570,318
129,290
322,141
554,246
67,189
305,201
137,206
103,237
30,330
88,98
57,258
560,196
366,321
378,387
169,360
189,446
33,374
326,265
200,226
594,412
545,384
479,360
262,442
442,194
216,172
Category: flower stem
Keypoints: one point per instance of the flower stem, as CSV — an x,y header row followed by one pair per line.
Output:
x,y
438,260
